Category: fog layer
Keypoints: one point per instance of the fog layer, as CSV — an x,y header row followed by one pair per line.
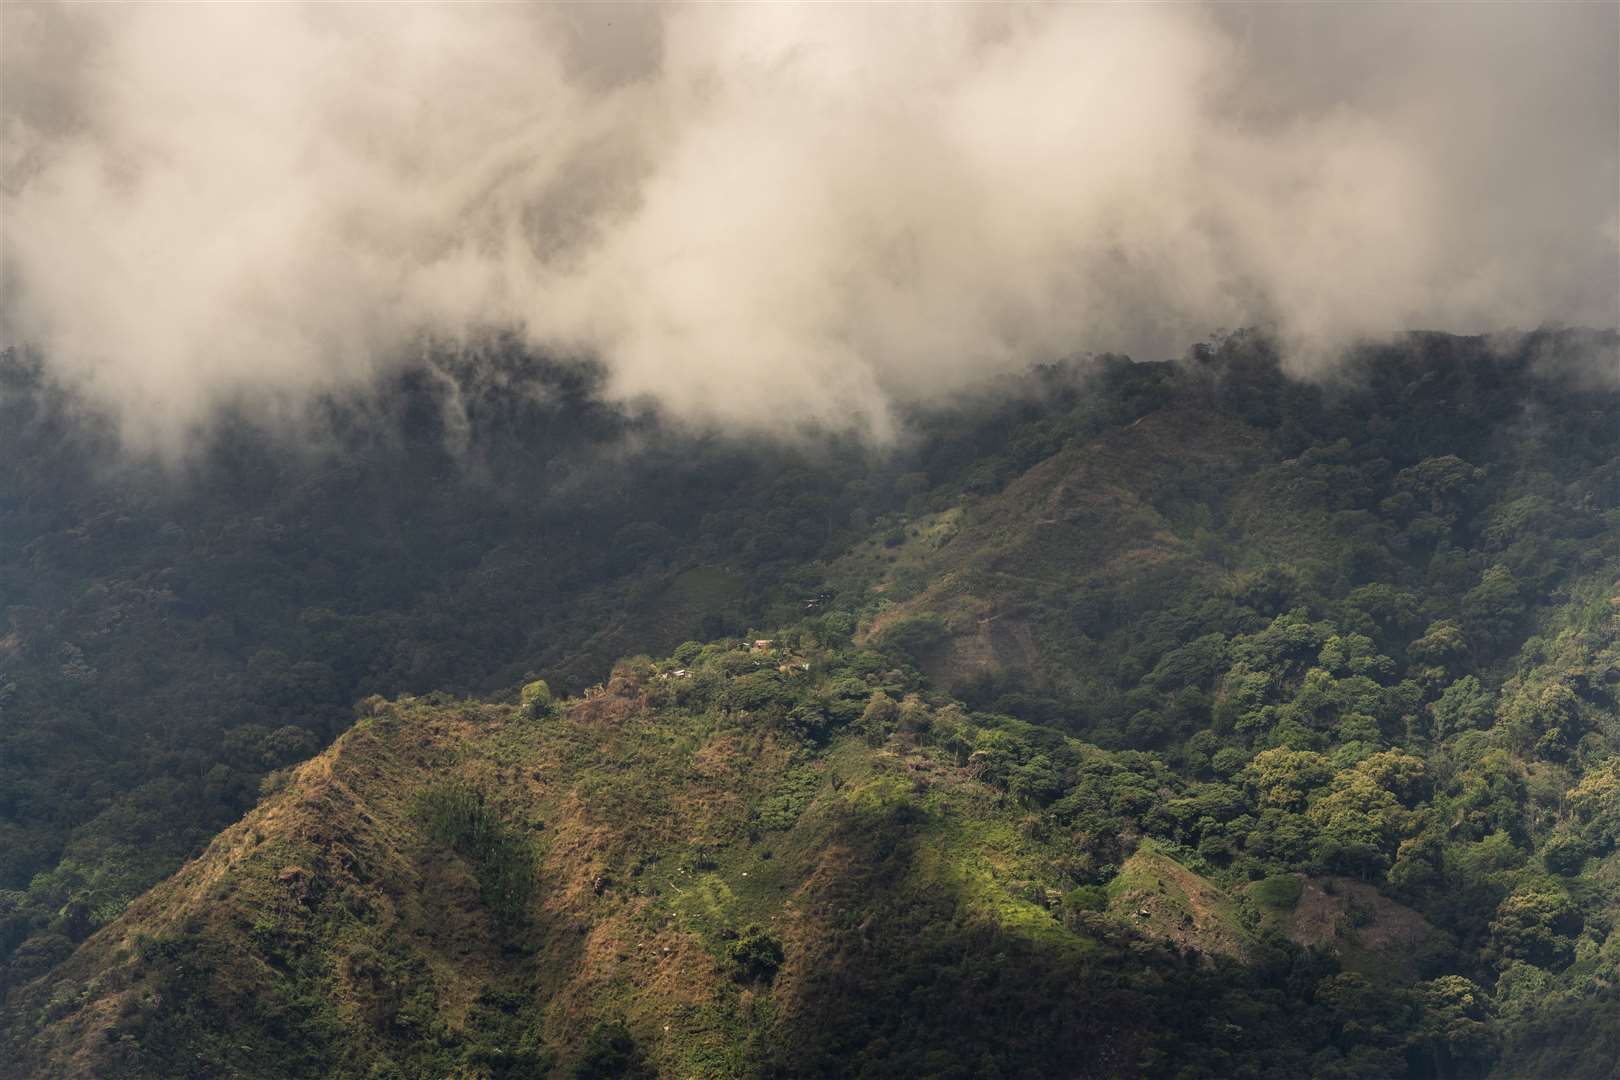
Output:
x,y
760,216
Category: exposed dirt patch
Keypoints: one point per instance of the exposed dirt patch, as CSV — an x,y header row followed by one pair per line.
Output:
x,y
996,643
602,711
1163,899
1336,911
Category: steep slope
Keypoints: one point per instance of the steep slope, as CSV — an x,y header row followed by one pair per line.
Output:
x,y
705,881
751,870
1033,578
1165,900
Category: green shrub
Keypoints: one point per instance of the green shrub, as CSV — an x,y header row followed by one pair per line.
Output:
x,y
754,957
1085,898
1279,892
1565,854
912,637
793,793
611,1054
458,816
536,699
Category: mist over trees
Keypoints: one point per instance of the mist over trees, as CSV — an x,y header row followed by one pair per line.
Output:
x,y
768,215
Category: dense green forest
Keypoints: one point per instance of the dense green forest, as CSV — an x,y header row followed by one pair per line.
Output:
x,y
1175,719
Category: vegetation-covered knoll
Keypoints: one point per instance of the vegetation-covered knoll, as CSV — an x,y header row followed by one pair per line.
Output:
x,y
787,862
1032,578
466,889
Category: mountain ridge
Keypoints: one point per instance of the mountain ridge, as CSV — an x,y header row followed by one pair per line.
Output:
x,y
1355,714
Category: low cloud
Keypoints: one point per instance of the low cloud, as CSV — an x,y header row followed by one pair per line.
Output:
x,y
766,215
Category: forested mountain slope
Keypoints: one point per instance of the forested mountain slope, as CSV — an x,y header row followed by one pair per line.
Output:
x,y
469,889
1156,719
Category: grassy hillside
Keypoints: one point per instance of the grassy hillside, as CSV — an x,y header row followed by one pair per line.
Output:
x,y
655,863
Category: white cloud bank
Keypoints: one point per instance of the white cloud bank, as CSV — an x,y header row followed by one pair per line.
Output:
x,y
763,214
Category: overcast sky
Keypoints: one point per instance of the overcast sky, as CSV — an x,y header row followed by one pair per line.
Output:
x,y
765,214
